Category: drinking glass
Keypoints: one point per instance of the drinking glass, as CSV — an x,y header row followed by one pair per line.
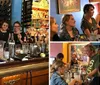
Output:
x,y
18,49
25,48
6,52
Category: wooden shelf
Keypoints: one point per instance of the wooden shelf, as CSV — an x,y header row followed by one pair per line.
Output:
x,y
39,9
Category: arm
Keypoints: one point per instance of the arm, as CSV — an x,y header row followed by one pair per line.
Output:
x,y
98,20
92,73
98,26
73,82
87,32
95,70
19,37
60,81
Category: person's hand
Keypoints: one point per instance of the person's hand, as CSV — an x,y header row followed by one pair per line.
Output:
x,y
95,32
19,36
75,82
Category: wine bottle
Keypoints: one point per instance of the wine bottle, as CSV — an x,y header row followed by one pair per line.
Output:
x,y
11,46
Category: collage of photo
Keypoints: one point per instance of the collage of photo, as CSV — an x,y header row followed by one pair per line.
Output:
x,y
49,42
75,42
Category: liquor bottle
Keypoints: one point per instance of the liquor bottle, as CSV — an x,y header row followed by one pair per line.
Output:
x,y
11,46
43,48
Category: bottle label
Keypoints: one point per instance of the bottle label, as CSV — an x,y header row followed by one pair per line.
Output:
x,y
12,43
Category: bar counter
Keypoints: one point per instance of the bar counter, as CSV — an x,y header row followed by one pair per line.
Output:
x,y
30,72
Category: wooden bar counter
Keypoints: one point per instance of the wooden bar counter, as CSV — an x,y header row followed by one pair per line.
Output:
x,y
31,72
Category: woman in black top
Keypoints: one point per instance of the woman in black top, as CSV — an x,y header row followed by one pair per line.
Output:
x,y
4,31
18,35
53,30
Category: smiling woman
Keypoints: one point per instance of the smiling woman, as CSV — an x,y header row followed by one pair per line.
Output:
x,y
18,35
4,31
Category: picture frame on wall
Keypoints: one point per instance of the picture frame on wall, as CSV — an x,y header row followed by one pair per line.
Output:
x,y
77,49
67,6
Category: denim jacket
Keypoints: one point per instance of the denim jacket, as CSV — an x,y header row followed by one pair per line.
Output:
x,y
56,79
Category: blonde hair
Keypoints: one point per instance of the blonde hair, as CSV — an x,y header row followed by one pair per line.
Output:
x,y
51,20
56,65
51,32
65,18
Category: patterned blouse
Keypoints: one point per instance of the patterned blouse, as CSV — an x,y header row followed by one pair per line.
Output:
x,y
65,36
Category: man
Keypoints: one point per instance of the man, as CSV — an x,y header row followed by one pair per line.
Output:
x,y
94,61
96,80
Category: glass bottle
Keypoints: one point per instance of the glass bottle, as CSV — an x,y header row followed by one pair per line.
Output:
x,y
11,43
43,46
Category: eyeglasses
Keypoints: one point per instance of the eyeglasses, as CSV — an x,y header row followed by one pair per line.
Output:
x,y
16,26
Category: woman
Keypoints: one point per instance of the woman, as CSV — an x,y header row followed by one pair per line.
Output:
x,y
18,35
74,59
88,24
4,31
68,31
98,22
58,70
53,30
